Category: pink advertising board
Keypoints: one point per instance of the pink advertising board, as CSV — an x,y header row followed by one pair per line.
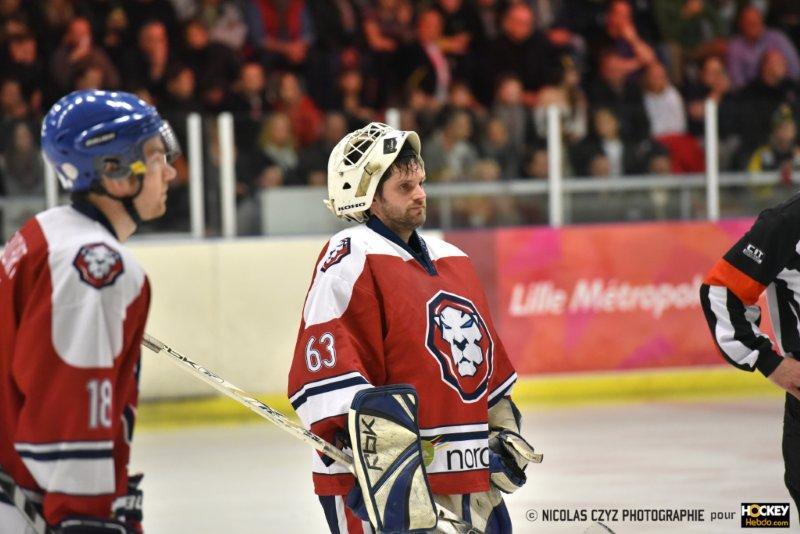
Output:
x,y
601,297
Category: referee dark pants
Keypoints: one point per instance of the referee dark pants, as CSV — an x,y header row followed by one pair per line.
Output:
x,y
791,447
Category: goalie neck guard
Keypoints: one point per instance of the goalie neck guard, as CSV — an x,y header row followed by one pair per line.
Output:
x,y
358,162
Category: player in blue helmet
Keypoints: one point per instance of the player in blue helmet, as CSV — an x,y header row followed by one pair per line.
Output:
x,y
89,136
73,305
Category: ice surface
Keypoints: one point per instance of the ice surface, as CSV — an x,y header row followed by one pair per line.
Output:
x,y
712,455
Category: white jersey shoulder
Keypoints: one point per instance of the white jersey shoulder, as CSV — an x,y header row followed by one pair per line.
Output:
x,y
94,281
439,248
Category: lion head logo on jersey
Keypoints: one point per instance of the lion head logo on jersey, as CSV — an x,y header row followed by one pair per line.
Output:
x,y
461,343
98,264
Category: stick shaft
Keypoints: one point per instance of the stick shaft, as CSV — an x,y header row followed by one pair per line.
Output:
x,y
274,416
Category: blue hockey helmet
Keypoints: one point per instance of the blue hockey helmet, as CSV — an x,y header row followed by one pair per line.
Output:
x,y
88,134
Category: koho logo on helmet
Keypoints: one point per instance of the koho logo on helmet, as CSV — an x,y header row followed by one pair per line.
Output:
x,y
765,515
351,206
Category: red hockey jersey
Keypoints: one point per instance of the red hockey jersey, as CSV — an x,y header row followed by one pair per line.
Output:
x,y
377,313
73,305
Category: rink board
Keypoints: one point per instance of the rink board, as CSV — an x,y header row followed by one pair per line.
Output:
x,y
235,305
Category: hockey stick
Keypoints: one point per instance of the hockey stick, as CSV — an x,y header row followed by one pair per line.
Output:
x,y
277,418
23,503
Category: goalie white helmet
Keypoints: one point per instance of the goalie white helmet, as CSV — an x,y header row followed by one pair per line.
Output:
x,y
358,162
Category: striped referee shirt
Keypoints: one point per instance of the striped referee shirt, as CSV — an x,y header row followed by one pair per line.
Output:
x,y
767,258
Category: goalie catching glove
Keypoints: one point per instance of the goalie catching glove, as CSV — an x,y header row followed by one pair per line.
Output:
x,y
509,452
387,453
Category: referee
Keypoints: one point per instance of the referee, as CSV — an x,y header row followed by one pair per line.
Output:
x,y
765,258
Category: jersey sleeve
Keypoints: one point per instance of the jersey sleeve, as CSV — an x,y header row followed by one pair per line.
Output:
x,y
75,363
731,289
339,351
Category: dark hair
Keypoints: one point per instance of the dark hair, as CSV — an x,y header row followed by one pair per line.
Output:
x,y
406,161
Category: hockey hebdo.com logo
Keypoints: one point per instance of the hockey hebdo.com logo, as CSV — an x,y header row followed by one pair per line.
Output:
x,y
765,515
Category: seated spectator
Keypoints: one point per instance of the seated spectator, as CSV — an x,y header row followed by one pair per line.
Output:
x,y
715,84
763,96
13,106
78,50
303,114
536,164
278,144
22,164
509,109
605,140
350,99
667,118
663,103
461,24
225,22
25,65
600,166
313,168
566,42
337,29
497,146
89,77
388,28
148,65
49,22
746,49
141,12
449,155
180,98
423,62
490,16
570,99
524,52
284,33
785,16
488,210
462,27
214,64
388,25
460,98
781,151
659,164
614,90
426,111
117,37
248,102
622,38
691,29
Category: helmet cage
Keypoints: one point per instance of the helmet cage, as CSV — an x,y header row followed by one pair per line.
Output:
x,y
357,164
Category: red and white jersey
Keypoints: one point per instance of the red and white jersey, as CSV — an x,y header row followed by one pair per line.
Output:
x,y
73,305
376,315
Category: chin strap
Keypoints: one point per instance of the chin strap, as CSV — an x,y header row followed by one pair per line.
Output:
x,y
127,202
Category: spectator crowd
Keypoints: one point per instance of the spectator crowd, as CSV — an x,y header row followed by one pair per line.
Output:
x,y
473,77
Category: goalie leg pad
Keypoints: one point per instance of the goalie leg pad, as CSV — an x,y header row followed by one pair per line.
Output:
x,y
387,453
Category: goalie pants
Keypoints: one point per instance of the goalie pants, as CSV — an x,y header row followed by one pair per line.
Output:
x,y
791,447
485,511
